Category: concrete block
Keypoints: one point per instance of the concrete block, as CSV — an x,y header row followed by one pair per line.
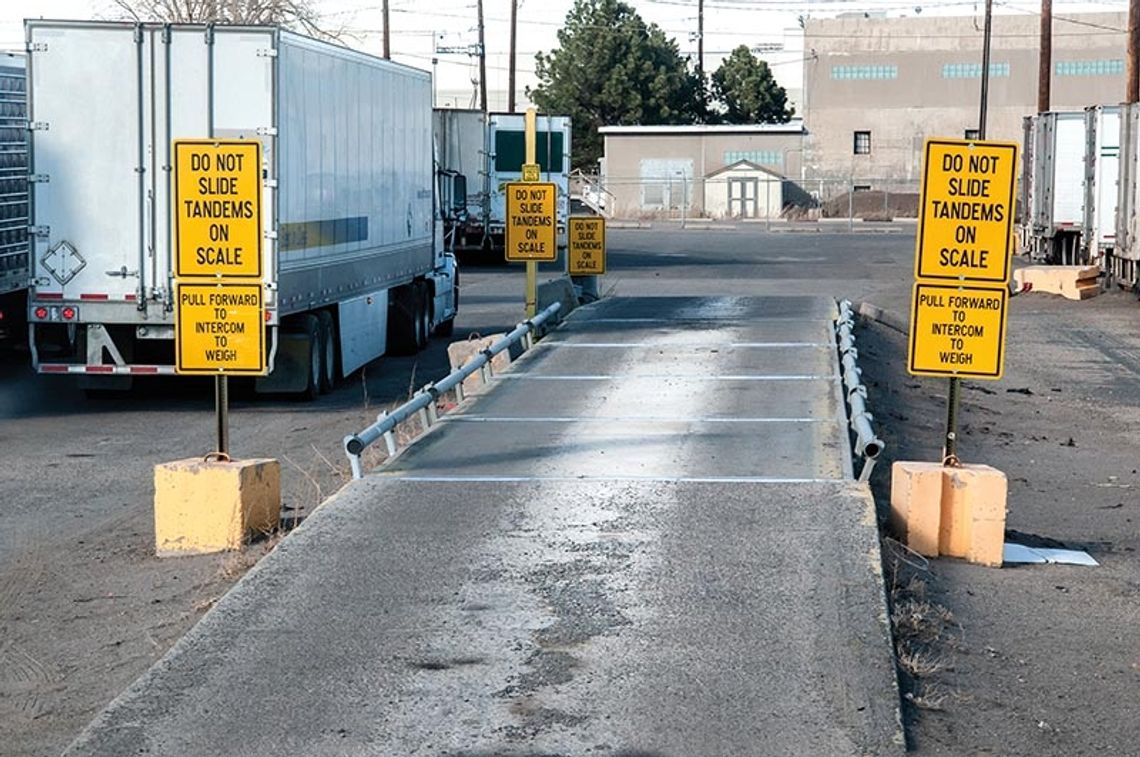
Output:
x,y
973,514
202,507
1074,282
954,512
459,353
916,505
557,290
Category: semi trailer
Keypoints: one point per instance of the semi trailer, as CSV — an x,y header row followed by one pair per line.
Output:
x,y
353,262
478,154
1056,186
13,198
1102,172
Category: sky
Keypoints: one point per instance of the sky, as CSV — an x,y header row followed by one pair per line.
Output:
x,y
444,29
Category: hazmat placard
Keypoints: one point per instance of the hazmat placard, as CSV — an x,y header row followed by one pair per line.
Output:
x,y
532,229
586,246
957,331
531,172
219,328
217,208
965,230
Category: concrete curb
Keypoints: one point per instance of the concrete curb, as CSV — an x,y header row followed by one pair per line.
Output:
x,y
888,318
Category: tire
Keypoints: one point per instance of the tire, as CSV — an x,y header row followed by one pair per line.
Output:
x,y
329,372
311,327
423,316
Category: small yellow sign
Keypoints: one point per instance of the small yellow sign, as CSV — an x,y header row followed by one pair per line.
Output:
x,y
587,246
219,328
531,172
965,230
532,228
217,208
957,331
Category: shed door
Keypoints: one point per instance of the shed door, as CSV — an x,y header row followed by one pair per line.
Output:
x,y
742,198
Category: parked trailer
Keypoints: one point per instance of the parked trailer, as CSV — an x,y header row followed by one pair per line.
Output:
x,y
1122,265
1102,170
1026,186
1059,164
353,266
478,155
13,196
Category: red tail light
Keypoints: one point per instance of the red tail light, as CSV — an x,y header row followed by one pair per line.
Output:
x,y
41,313
68,313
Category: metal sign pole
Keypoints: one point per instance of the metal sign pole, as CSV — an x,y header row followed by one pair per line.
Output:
x,y
222,407
954,393
531,265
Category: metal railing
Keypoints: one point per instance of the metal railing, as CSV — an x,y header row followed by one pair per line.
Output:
x,y
867,444
424,401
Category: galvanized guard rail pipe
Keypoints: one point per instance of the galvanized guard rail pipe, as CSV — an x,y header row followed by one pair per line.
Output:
x,y
423,402
867,445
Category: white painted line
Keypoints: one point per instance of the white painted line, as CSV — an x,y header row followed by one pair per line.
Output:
x,y
395,475
684,345
753,318
626,419
658,376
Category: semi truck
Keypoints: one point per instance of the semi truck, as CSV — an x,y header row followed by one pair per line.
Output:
x,y
13,198
478,154
353,260
1056,186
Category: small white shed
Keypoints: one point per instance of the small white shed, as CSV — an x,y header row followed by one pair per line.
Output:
x,y
744,190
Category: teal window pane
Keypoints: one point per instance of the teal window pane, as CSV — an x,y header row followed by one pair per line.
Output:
x,y
877,72
1103,67
972,70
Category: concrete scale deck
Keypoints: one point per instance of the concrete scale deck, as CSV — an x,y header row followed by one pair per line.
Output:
x,y
643,540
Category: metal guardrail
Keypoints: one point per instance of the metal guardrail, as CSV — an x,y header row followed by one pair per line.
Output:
x,y
423,402
867,444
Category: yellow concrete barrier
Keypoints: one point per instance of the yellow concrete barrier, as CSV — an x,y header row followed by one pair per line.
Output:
x,y
207,506
955,512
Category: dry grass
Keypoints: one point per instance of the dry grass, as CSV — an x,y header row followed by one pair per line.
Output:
x,y
926,633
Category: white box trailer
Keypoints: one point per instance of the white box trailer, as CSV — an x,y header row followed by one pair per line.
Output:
x,y
1026,185
352,263
1122,264
13,195
1102,171
1059,144
479,154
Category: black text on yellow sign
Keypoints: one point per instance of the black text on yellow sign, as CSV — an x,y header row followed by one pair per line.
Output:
x,y
965,230
217,208
586,245
532,228
219,329
957,331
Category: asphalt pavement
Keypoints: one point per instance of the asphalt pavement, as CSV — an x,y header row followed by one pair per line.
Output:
x,y
644,539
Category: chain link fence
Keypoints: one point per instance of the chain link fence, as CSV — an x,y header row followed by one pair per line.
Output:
x,y
748,196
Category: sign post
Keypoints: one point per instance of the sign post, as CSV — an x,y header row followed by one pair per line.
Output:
x,y
219,310
963,254
532,218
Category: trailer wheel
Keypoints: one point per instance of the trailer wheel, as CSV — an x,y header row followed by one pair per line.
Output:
x,y
329,373
311,328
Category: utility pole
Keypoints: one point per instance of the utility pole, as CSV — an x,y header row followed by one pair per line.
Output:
x,y
511,65
387,34
701,40
482,62
1133,71
1045,62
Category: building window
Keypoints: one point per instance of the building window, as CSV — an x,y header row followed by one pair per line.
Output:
x,y
862,143
972,70
865,72
759,157
1089,67
972,134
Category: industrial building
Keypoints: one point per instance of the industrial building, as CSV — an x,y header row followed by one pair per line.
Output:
x,y
875,88
662,170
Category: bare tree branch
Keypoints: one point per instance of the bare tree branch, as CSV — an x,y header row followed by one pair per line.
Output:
x,y
299,15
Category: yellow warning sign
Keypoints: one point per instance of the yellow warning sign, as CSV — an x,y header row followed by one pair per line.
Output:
x,y
957,331
217,208
586,238
219,328
531,172
965,230
532,229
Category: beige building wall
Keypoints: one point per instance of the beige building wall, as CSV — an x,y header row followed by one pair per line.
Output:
x,y
907,79
659,170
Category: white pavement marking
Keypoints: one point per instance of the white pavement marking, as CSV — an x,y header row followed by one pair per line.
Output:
x,y
684,345
395,475
659,376
626,419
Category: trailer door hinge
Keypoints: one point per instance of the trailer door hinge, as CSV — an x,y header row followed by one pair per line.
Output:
x,y
267,131
267,52
38,178
38,126
39,231
270,183
38,47
271,234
